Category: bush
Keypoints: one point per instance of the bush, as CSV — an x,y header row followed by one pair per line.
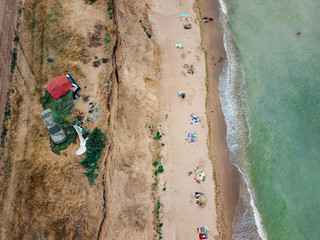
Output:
x,y
94,145
14,60
160,169
85,132
3,134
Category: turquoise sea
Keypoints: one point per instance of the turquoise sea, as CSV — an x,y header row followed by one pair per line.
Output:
x,y
270,94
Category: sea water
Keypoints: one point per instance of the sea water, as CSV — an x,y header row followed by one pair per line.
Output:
x,y
270,95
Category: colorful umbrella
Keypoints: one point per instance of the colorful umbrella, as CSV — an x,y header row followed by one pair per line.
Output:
x,y
203,199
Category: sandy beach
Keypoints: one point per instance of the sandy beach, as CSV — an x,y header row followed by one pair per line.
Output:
x,y
181,214
137,87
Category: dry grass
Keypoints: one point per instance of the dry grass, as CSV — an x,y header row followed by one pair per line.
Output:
x,y
51,38
44,196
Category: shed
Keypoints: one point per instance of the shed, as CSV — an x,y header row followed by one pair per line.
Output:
x,y
59,86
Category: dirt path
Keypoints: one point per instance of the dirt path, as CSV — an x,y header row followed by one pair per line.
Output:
x,y
8,20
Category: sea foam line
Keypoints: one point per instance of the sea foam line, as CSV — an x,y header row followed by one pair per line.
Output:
x,y
257,217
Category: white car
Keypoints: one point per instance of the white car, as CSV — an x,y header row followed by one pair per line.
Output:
x,y
57,134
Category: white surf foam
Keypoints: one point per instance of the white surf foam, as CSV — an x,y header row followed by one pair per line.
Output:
x,y
232,97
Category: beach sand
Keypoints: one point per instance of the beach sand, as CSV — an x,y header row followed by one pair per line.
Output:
x,y
180,214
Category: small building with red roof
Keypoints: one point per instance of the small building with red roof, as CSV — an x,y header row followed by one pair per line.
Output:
x,y
59,86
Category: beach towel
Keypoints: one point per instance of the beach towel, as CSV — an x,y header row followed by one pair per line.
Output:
x,y
203,236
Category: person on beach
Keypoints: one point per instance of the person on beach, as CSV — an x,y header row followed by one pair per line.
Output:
x,y
182,94
207,19
222,57
200,203
197,194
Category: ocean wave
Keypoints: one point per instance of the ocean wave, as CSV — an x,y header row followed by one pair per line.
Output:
x,y
247,223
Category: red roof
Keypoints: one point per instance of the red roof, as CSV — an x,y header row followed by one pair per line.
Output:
x,y
59,86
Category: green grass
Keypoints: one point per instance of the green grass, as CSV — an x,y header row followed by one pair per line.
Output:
x,y
62,119
71,138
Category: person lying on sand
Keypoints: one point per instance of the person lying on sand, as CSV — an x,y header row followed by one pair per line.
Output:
x,y
207,19
197,194
200,203
187,26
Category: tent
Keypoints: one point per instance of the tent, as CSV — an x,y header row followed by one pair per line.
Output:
x,y
59,86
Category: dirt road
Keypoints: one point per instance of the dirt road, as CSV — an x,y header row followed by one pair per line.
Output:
x,y
8,19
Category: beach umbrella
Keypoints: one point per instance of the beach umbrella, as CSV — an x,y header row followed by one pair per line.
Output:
x,y
203,199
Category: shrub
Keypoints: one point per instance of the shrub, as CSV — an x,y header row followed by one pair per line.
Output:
x,y
158,136
3,134
85,132
14,60
160,169
94,145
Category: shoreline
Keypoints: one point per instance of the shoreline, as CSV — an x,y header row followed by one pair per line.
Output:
x,y
226,175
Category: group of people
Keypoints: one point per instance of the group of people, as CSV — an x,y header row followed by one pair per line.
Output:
x,y
182,94
190,68
192,137
203,232
200,198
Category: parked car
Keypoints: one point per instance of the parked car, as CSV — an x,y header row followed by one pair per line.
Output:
x,y
57,134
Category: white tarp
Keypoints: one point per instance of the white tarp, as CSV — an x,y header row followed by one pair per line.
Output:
x,y
82,149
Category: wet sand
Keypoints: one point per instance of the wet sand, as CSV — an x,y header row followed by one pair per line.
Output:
x,y
227,176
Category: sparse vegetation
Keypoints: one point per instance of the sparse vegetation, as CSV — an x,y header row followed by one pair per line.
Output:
x,y
164,187
94,145
159,169
16,39
110,11
3,134
91,1
20,10
158,136
14,59
7,110
153,130
158,224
